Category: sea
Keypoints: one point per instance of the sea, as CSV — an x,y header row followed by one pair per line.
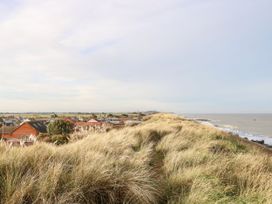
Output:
x,y
256,127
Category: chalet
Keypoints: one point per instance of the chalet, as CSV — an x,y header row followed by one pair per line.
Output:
x,y
27,129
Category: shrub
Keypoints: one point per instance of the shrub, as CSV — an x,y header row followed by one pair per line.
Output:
x,y
60,127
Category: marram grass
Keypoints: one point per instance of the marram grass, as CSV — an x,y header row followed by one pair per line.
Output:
x,y
167,159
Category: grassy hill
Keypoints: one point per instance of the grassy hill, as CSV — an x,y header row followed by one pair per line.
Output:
x,y
167,159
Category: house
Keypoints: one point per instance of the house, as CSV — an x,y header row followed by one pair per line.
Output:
x,y
26,130
9,122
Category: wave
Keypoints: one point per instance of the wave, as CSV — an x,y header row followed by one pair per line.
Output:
x,y
250,136
235,130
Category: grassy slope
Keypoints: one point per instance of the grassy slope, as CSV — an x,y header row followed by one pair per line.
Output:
x,y
165,160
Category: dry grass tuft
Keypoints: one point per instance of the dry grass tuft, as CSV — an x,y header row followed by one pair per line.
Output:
x,y
167,159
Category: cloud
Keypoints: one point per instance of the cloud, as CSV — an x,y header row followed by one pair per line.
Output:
x,y
90,55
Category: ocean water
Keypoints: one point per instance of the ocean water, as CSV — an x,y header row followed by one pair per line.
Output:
x,y
251,126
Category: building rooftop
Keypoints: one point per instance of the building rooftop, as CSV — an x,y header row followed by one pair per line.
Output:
x,y
39,126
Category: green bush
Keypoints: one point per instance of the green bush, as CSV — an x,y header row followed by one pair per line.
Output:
x,y
60,127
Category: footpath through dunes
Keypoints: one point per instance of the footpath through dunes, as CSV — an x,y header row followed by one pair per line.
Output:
x,y
167,159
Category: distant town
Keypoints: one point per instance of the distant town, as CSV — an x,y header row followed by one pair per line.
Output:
x,y
24,129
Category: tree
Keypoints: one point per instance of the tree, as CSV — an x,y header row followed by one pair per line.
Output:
x,y
60,127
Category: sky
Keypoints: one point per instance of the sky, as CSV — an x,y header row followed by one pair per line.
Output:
x,y
183,56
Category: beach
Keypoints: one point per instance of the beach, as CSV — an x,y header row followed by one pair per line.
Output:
x,y
256,127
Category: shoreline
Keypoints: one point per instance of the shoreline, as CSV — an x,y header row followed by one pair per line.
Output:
x,y
261,140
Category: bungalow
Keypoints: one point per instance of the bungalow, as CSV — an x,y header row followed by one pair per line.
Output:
x,y
27,129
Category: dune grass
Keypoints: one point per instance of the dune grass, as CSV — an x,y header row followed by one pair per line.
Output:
x,y
167,159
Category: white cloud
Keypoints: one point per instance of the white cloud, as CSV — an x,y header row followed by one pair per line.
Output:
x,y
94,55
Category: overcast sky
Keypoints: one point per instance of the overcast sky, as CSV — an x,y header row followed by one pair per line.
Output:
x,y
193,56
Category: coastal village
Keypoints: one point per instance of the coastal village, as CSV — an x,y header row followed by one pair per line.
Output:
x,y
25,129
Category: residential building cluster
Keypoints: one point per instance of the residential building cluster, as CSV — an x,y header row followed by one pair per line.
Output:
x,y
18,130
